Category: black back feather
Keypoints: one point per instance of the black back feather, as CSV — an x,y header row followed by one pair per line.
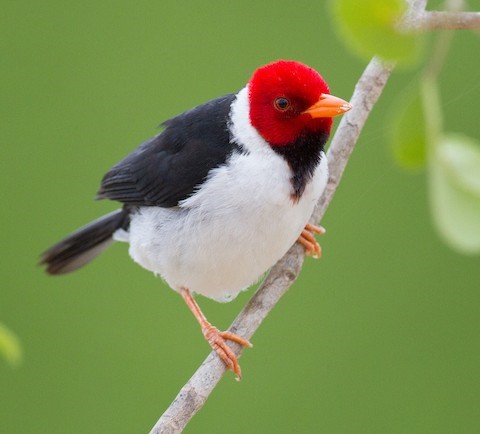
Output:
x,y
166,169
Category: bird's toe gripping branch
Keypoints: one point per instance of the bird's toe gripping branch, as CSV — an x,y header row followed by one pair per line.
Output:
x,y
218,342
216,338
307,239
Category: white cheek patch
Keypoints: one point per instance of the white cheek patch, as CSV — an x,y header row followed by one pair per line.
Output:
x,y
243,133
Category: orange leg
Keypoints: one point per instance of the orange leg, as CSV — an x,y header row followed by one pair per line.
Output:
x,y
216,338
307,239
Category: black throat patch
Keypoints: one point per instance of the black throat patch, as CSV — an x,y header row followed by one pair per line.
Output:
x,y
303,156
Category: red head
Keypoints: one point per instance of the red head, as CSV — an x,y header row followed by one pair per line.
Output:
x,y
287,99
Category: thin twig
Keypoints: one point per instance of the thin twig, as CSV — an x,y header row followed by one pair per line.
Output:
x,y
426,21
418,19
415,8
367,91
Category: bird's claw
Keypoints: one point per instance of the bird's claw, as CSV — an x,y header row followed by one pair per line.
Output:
x,y
307,239
218,342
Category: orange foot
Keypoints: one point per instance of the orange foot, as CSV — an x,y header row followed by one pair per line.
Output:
x,y
307,239
216,338
218,342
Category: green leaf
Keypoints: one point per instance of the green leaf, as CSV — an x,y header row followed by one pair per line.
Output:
x,y
455,192
10,346
369,28
407,132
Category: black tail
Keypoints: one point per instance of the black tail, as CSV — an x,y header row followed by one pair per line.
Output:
x,y
85,244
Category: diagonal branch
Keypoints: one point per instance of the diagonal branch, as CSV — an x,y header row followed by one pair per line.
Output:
x,y
367,91
194,394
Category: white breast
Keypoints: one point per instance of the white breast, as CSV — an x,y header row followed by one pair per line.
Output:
x,y
241,221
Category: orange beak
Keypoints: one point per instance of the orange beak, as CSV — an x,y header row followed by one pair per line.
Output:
x,y
328,106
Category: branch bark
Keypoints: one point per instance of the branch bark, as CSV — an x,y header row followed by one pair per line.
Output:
x,y
441,20
196,391
418,19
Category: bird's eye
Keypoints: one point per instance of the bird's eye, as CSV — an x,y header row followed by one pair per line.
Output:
x,y
282,104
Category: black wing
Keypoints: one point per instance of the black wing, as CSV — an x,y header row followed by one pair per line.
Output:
x,y
167,168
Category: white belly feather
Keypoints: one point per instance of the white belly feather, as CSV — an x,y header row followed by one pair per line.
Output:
x,y
220,241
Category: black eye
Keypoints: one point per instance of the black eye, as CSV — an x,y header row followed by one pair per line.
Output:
x,y
282,104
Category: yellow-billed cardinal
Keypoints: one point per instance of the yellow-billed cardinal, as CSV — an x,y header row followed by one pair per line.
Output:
x,y
220,195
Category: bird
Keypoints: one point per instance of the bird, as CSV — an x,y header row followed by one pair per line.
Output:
x,y
221,193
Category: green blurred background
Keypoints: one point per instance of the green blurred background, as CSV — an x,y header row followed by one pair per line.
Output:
x,y
380,336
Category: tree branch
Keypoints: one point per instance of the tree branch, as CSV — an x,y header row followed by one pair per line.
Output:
x,y
415,7
194,394
441,20
367,91
418,19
